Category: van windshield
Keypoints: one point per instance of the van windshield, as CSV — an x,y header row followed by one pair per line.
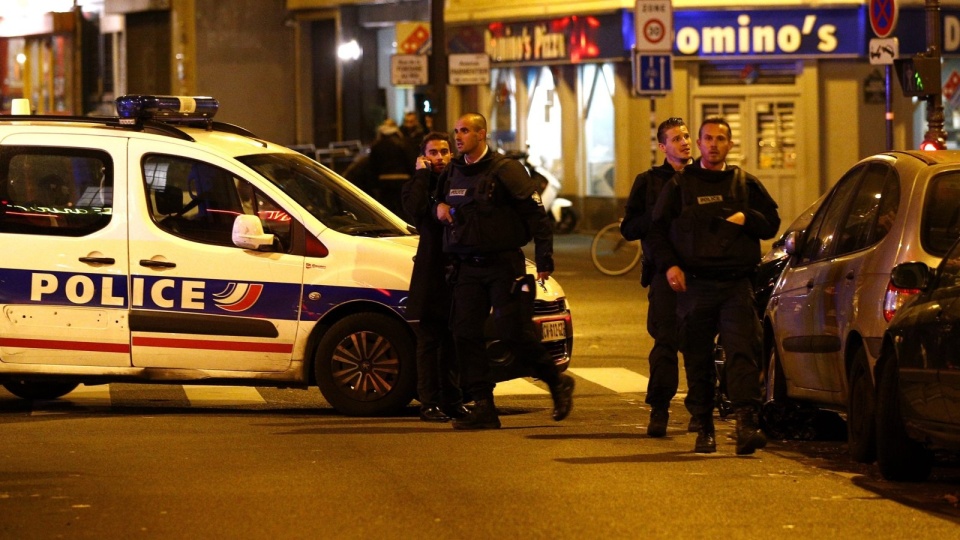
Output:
x,y
324,195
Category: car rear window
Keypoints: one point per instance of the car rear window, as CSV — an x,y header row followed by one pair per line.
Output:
x,y
55,191
941,214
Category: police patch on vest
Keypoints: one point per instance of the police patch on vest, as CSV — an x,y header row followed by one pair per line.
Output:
x,y
458,192
710,199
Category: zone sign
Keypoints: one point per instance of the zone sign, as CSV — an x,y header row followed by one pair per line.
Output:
x,y
653,21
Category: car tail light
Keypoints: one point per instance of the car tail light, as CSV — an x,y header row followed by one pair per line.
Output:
x,y
894,298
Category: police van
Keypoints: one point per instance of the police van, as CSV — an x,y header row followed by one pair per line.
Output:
x,y
162,246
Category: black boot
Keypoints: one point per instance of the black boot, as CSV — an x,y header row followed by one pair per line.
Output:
x,y
659,416
749,436
706,436
562,393
483,415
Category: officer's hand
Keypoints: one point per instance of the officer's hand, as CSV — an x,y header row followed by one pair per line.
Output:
x,y
443,213
677,279
737,218
543,276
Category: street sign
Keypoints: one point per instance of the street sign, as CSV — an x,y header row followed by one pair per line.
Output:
x,y
653,22
884,51
652,73
469,69
883,16
408,70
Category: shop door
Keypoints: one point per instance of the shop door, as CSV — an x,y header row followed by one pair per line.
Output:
x,y
765,134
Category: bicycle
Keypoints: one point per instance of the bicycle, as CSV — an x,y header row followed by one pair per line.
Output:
x,y
612,254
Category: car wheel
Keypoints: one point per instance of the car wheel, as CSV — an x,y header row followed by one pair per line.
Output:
x,y
39,389
777,413
899,457
861,412
365,365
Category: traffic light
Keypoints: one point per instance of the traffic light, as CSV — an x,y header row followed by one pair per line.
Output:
x,y
930,144
919,76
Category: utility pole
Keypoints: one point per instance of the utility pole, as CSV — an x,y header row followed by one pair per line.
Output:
x,y
935,135
439,66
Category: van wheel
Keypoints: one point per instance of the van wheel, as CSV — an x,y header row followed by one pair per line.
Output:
x,y
899,457
861,412
39,390
365,365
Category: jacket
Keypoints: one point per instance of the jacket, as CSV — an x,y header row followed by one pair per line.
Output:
x,y
429,292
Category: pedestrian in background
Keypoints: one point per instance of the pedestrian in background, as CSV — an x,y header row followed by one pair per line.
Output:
x,y
673,139
707,227
429,300
391,165
490,208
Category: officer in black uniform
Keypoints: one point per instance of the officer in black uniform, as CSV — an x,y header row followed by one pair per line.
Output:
x,y
707,227
674,141
491,209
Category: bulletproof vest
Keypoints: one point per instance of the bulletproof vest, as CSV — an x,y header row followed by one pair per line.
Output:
x,y
484,218
701,235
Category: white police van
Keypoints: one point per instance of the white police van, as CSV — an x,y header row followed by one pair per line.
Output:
x,y
161,246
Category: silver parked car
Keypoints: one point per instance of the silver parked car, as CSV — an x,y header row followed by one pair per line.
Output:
x,y
827,314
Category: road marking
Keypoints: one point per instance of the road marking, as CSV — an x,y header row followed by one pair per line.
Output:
x,y
619,380
518,387
222,395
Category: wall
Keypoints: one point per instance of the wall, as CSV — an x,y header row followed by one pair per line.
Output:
x,y
246,60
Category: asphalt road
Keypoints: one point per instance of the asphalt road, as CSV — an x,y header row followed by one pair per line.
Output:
x,y
137,461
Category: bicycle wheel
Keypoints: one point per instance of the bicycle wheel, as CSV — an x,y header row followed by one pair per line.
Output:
x,y
613,255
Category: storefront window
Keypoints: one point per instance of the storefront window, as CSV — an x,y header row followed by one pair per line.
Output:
x,y
597,83
11,70
543,122
502,128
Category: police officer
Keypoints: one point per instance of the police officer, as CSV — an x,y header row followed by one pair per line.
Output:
x,y
438,384
491,209
707,227
674,141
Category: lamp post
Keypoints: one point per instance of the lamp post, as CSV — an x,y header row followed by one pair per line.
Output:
x,y
935,137
439,63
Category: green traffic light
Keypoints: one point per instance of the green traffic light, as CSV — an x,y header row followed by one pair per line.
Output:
x,y
918,81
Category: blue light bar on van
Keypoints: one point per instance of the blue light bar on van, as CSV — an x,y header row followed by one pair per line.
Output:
x,y
138,107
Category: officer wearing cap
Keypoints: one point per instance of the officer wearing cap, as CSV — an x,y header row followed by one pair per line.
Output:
x,y
490,209
707,226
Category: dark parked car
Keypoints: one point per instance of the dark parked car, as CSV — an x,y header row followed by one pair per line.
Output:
x,y
918,403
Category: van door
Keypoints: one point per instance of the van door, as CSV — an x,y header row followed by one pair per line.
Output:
x,y
198,301
63,279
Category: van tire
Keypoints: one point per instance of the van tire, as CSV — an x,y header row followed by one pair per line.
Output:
x,y
365,365
39,389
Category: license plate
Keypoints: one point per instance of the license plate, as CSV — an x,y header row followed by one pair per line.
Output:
x,y
554,330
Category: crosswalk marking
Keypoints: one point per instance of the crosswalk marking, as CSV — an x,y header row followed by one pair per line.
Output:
x,y
619,380
518,387
205,395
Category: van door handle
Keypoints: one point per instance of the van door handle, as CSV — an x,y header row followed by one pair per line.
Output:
x,y
157,264
98,260
810,284
849,275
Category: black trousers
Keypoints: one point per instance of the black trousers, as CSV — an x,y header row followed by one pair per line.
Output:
x,y
711,307
484,288
663,328
438,380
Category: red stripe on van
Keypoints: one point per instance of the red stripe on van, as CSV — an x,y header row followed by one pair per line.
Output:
x,y
212,345
65,345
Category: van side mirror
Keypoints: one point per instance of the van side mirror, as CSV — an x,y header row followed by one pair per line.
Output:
x,y
248,233
910,275
790,243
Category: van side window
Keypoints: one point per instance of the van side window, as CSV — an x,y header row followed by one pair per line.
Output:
x,y
55,191
941,222
199,201
822,234
866,222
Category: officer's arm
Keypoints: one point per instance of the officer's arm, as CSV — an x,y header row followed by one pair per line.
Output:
x,y
658,241
513,176
636,220
762,217
439,209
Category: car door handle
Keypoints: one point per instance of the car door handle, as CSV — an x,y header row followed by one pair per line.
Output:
x,y
849,275
157,264
810,284
98,260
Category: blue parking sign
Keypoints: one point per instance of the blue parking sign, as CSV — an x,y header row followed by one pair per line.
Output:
x,y
652,73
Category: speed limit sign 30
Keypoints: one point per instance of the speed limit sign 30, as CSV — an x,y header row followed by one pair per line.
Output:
x,y
653,20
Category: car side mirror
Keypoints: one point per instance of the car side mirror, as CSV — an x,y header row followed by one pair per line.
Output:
x,y
248,233
790,243
910,275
